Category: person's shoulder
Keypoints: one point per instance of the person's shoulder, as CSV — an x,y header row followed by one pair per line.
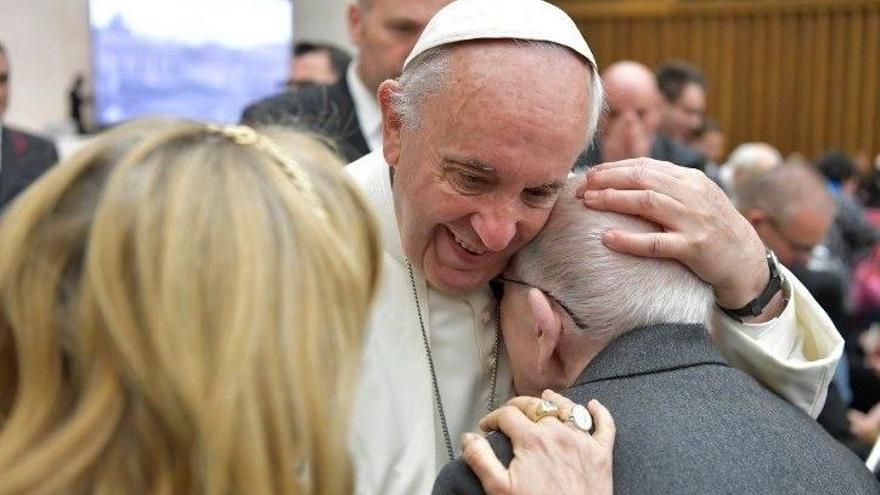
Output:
x,y
459,479
32,148
33,140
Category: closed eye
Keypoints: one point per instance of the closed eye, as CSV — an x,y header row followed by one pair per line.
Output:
x,y
541,197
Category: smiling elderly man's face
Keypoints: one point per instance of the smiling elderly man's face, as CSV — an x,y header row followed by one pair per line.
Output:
x,y
477,179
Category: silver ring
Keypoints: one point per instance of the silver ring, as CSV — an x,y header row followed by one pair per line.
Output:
x,y
580,418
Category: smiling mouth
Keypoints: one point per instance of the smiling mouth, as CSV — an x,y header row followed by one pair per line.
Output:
x,y
474,250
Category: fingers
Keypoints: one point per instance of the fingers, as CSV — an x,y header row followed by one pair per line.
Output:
x,y
509,419
478,454
564,404
636,177
667,167
648,204
651,245
606,430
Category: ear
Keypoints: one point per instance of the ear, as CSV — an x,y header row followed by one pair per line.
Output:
x,y
389,91
354,16
548,327
755,216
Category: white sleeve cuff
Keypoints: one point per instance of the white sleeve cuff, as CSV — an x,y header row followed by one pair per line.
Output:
x,y
794,354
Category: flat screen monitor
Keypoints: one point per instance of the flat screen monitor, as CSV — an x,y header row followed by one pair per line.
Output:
x,y
202,59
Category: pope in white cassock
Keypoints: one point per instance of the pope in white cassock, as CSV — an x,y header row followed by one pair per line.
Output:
x,y
496,101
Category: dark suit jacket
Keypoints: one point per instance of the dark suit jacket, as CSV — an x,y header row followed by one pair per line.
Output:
x,y
325,110
687,422
663,148
24,159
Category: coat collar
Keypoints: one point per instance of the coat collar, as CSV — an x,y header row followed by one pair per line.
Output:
x,y
653,349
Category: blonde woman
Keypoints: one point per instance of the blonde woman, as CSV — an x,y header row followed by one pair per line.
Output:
x,y
181,309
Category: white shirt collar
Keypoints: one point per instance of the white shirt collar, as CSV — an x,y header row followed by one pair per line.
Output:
x,y
366,106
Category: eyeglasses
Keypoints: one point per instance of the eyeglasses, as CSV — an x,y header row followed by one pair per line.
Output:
x,y
797,247
497,288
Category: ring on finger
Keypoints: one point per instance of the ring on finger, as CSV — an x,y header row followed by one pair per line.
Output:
x,y
545,408
580,418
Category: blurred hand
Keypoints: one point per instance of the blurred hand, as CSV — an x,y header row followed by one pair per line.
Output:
x,y
625,136
865,427
869,341
700,226
550,457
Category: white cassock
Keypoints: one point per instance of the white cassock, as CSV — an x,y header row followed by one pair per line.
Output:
x,y
397,440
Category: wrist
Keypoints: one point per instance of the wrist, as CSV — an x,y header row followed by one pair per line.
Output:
x,y
768,303
737,295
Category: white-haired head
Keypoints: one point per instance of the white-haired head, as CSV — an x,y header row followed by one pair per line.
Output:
x,y
612,293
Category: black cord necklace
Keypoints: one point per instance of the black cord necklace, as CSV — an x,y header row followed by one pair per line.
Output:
x,y
438,399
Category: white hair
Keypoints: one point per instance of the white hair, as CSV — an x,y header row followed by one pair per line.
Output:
x,y
427,74
611,292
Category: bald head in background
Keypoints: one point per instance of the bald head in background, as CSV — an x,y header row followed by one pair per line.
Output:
x,y
633,116
790,208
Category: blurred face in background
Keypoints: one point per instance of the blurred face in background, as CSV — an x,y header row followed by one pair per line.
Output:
x,y
794,238
314,67
385,31
711,144
685,115
4,84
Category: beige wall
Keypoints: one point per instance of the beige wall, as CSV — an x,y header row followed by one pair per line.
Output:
x,y
48,43
322,20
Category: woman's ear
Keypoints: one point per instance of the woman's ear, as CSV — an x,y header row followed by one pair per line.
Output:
x,y
548,326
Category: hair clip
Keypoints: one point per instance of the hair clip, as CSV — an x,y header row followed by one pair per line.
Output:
x,y
247,136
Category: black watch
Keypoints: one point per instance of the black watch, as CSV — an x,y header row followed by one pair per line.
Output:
x,y
756,306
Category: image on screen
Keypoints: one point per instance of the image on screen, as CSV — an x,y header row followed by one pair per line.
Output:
x,y
203,59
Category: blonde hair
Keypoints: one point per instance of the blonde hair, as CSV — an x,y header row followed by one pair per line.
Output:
x,y
176,317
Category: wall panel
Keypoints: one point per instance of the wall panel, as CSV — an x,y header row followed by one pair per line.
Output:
x,y
801,74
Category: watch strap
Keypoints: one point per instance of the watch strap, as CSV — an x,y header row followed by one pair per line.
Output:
x,y
756,306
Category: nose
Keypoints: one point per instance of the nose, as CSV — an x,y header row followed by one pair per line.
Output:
x,y
495,225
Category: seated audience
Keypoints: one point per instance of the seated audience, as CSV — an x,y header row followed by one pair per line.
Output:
x,y
852,237
316,64
181,311
23,157
632,333
791,209
630,126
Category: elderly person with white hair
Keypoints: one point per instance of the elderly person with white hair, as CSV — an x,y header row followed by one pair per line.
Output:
x,y
633,333
495,103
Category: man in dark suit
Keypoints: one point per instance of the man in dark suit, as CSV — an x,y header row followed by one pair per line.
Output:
x,y
23,157
632,333
347,112
630,127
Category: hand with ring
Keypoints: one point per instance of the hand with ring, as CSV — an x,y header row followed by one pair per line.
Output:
x,y
554,453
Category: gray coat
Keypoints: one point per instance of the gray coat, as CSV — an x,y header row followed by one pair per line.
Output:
x,y
687,422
